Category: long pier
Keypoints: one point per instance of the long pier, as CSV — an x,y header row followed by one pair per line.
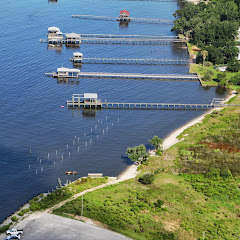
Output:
x,y
127,40
132,19
150,61
189,77
152,106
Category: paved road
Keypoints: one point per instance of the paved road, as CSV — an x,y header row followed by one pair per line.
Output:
x,y
52,227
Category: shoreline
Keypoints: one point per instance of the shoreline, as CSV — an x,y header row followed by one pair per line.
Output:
x,y
131,171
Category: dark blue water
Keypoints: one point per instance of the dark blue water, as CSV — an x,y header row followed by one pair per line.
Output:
x,y
31,116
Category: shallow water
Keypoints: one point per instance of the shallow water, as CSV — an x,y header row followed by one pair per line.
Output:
x,y
31,116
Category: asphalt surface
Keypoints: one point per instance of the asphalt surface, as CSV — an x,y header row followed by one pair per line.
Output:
x,y
52,227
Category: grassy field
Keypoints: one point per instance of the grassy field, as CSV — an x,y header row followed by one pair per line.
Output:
x,y
195,193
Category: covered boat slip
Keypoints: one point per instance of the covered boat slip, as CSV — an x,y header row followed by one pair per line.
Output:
x,y
86,100
64,73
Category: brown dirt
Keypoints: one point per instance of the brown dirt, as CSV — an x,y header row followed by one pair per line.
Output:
x,y
222,146
172,225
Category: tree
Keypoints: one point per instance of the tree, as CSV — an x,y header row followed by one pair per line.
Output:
x,y
233,65
207,77
221,77
137,153
204,55
156,142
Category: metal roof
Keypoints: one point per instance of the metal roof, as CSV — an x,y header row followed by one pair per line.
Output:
x,y
76,54
72,35
62,69
90,95
53,29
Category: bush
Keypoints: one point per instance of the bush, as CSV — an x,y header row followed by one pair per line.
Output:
x,y
235,80
206,77
159,203
208,64
5,228
159,152
14,219
146,179
221,77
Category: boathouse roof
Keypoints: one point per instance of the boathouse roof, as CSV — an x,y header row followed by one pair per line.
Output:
x,y
76,54
62,69
125,11
90,95
72,35
53,29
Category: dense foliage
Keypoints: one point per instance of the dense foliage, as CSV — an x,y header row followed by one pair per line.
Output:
x,y
212,26
146,179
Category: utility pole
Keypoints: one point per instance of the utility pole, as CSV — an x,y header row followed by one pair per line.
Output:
x,y
82,207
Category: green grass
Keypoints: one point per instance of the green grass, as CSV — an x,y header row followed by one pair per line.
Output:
x,y
191,47
196,199
64,193
200,70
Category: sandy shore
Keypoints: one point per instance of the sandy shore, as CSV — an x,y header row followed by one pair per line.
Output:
x,y
131,171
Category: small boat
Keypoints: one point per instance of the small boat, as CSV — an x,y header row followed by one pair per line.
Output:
x,y
71,172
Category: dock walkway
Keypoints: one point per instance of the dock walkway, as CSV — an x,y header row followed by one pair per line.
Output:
x,y
132,19
138,76
149,61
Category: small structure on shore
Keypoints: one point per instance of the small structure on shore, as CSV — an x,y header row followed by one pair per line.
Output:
x,y
64,73
77,57
72,38
54,35
86,100
124,16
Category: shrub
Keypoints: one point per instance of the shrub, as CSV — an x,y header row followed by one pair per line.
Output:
x,y
14,219
208,64
146,179
5,228
159,152
220,77
159,203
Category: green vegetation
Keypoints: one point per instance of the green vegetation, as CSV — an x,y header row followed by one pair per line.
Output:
x,y
212,76
5,228
195,188
26,210
146,178
137,153
156,142
64,193
14,219
212,26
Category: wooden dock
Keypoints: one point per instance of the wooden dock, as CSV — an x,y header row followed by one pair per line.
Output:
x,y
149,61
189,77
132,19
127,40
152,106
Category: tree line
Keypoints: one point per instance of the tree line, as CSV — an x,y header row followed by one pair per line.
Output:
x,y
213,27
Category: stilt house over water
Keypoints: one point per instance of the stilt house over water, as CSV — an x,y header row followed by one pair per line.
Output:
x,y
64,73
73,38
124,16
54,35
77,57
86,100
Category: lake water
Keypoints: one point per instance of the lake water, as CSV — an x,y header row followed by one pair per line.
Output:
x,y
31,116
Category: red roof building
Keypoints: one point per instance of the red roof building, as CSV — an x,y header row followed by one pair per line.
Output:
x,y
124,13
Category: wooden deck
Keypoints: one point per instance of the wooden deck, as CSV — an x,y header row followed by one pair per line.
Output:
x,y
138,76
150,61
152,106
132,19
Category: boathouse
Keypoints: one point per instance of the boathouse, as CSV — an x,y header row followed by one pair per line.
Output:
x,y
77,57
54,35
86,100
64,73
124,16
73,38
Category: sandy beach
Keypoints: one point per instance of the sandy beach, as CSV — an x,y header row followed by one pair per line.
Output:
x,y
129,173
